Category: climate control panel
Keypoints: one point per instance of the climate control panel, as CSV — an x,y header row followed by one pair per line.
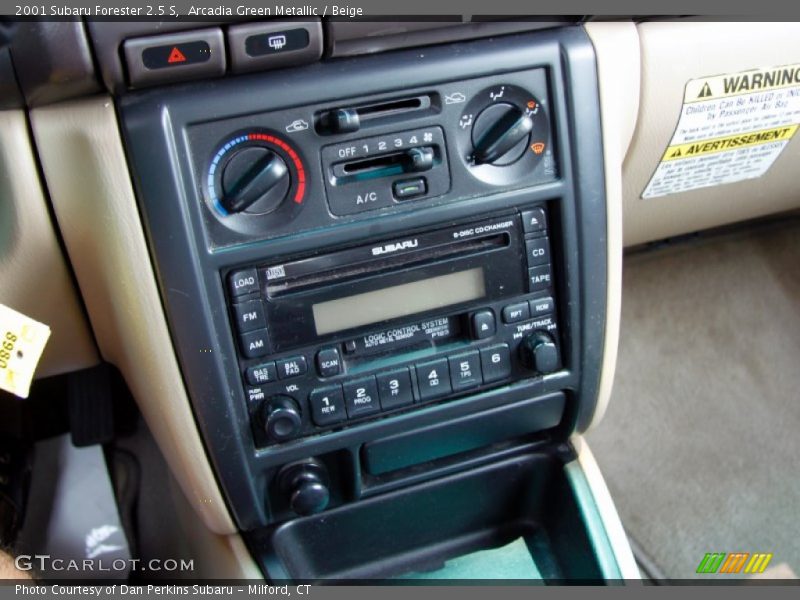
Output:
x,y
279,173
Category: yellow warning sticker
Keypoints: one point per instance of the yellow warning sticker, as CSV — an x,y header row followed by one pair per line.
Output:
x,y
22,341
731,128
728,143
746,82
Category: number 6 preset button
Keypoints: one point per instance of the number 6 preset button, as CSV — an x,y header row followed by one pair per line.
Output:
x,y
361,397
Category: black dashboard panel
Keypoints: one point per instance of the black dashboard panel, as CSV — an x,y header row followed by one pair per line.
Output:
x,y
275,204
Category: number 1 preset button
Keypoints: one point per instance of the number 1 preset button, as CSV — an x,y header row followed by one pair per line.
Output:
x,y
327,405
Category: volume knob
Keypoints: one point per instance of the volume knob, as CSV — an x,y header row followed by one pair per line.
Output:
x,y
281,417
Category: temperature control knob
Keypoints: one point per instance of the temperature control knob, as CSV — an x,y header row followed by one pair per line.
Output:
x,y
254,179
540,353
500,134
281,418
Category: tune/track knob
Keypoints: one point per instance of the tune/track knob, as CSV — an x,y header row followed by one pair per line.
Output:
x,y
255,180
281,418
500,134
540,353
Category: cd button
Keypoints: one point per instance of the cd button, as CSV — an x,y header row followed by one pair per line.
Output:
x,y
483,325
538,251
465,371
433,379
496,363
292,367
327,405
394,389
361,397
328,362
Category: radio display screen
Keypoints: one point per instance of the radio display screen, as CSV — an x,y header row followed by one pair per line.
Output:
x,y
398,301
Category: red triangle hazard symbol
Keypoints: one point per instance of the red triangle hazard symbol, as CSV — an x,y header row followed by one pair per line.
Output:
x,y
176,56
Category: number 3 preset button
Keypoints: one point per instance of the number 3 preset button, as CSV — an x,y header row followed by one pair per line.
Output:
x,y
361,397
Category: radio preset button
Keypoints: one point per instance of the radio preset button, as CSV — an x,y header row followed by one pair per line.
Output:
x,y
540,278
249,316
534,220
483,325
394,389
328,362
541,306
327,405
465,371
243,282
433,379
361,397
538,251
292,367
255,343
516,312
261,374
496,363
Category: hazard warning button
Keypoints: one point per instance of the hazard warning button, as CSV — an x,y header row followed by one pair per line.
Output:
x,y
171,57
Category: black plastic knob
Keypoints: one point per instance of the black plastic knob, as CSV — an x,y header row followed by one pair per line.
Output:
x,y
306,485
255,180
500,134
540,353
282,419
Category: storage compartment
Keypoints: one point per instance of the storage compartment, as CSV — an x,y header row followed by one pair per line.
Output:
x,y
535,500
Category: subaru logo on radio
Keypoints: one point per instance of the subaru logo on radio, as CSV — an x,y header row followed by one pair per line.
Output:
x,y
386,249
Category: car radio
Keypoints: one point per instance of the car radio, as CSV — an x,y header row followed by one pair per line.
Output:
x,y
372,280
361,332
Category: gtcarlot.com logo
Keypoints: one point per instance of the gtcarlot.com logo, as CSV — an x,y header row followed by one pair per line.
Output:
x,y
734,562
45,562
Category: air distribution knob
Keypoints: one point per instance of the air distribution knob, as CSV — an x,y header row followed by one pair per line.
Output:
x,y
540,353
306,485
254,180
500,134
281,418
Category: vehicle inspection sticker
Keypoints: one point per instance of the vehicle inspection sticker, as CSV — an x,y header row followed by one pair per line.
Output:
x,y
732,127
22,341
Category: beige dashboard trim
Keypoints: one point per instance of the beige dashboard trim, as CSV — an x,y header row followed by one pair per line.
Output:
x,y
617,537
672,54
33,271
616,46
90,187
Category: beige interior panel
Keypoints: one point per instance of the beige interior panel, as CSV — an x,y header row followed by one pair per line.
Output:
x,y
672,54
616,47
84,165
33,274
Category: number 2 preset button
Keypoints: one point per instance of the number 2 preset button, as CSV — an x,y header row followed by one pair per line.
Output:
x,y
361,397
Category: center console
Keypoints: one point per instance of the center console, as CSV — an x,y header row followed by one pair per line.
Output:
x,y
385,282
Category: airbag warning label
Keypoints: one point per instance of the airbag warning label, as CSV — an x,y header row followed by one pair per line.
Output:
x,y
732,127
